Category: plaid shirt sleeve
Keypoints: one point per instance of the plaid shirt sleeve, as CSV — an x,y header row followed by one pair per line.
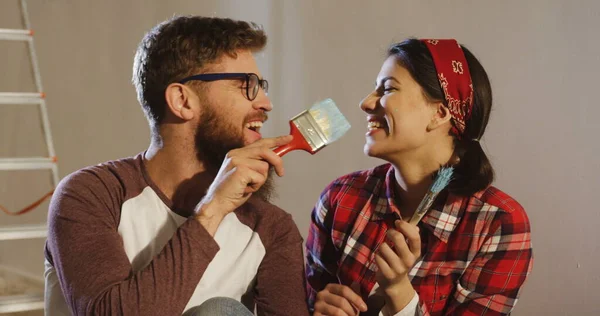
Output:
x,y
321,254
491,283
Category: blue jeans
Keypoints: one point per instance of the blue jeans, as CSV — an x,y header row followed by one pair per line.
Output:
x,y
219,306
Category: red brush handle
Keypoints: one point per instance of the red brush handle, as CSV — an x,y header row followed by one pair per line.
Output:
x,y
298,143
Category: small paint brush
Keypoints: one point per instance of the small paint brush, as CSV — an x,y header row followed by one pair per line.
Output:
x,y
444,175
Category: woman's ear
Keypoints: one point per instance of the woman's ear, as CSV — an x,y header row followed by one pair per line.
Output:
x,y
441,117
179,101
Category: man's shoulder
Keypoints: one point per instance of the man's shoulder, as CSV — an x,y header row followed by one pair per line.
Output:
x,y
106,172
107,180
270,221
91,193
267,210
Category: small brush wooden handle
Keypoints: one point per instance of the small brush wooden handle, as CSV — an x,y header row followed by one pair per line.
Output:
x,y
416,218
298,143
423,208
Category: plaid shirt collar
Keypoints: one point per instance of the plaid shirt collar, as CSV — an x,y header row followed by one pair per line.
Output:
x,y
440,223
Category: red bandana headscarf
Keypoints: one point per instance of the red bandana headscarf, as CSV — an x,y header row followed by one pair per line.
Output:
x,y
455,79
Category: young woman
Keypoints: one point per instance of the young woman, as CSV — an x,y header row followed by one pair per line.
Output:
x,y
471,253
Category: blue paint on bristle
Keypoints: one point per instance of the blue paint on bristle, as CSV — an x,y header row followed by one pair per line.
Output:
x,y
329,118
442,180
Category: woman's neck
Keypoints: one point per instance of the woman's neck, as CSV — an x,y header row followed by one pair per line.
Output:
x,y
414,175
412,183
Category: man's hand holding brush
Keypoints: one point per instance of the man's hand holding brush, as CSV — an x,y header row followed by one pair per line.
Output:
x,y
242,173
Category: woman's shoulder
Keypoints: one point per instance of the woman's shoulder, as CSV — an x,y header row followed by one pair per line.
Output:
x,y
360,177
506,208
356,187
497,198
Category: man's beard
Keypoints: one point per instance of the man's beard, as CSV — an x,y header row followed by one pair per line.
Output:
x,y
215,137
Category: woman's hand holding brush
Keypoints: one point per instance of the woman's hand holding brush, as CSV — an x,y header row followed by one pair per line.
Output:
x,y
395,262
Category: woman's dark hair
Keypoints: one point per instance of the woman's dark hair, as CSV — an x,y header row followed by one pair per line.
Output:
x,y
474,172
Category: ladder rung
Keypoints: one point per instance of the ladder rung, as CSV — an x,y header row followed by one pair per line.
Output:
x,y
21,97
27,163
23,232
21,303
15,35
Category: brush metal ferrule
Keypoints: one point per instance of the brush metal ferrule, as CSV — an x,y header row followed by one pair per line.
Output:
x,y
311,131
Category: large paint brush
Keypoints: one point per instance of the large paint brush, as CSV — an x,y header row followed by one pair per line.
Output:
x,y
315,128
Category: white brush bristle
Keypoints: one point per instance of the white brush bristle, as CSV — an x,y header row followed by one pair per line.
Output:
x,y
329,118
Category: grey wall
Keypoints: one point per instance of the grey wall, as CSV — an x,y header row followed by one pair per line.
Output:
x,y
543,58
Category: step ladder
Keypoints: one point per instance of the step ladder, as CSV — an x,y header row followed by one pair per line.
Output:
x,y
18,303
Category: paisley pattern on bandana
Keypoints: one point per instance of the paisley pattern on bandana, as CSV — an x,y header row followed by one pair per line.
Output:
x,y
455,79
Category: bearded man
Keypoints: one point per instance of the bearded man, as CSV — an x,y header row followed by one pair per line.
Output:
x,y
186,225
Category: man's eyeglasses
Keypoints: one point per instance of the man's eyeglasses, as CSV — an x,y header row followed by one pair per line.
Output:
x,y
252,81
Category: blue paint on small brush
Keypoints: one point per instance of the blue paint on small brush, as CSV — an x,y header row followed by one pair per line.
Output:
x,y
443,178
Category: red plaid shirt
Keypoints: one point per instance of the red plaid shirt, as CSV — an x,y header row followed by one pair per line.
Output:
x,y
476,251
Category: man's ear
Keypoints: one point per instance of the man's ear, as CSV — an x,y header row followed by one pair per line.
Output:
x,y
180,101
441,117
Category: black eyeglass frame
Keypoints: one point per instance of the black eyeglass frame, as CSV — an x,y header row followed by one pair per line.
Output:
x,y
247,77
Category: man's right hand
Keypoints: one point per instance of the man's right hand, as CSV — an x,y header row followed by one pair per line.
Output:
x,y
242,173
337,299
